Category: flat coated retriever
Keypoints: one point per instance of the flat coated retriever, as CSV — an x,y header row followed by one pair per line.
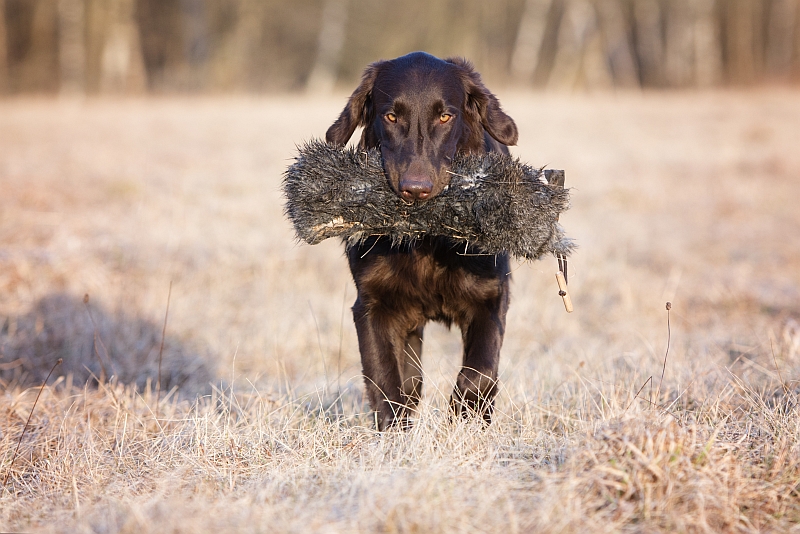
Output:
x,y
420,111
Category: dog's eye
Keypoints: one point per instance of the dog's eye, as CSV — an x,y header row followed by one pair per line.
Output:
x,y
391,117
444,117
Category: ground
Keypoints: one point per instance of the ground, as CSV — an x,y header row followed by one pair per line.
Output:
x,y
115,212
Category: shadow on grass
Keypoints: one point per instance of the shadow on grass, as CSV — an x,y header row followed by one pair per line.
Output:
x,y
95,343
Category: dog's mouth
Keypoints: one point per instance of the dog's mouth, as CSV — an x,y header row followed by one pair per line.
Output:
x,y
415,188
417,181
418,187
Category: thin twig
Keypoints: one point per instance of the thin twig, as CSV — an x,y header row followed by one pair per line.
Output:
x,y
103,373
649,379
25,428
778,369
664,368
161,350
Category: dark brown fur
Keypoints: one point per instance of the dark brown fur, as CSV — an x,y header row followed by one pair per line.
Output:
x,y
402,288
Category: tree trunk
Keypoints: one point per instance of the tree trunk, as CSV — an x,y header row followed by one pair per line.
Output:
x,y
569,45
679,50
795,68
740,45
249,27
707,47
780,38
196,43
470,39
71,47
331,42
38,70
4,74
649,42
530,35
122,66
617,43
580,59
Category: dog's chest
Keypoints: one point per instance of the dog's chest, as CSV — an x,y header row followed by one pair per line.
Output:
x,y
428,281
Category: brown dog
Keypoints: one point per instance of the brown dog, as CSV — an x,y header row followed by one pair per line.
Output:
x,y
420,111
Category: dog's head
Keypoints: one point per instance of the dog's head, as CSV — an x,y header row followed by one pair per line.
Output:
x,y
420,111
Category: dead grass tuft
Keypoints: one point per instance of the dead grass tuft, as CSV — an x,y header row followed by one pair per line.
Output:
x,y
687,478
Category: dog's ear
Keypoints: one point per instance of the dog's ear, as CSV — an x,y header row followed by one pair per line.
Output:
x,y
484,106
357,112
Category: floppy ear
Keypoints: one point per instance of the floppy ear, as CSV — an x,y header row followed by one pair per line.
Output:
x,y
481,103
357,112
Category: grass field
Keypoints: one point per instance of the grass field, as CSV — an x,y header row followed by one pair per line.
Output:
x,y
259,424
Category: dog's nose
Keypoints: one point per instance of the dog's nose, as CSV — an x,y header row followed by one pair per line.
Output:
x,y
415,188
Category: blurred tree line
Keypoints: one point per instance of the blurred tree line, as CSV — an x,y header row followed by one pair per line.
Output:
x,y
135,46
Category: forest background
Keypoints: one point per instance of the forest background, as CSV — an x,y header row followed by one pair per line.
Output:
x,y
218,46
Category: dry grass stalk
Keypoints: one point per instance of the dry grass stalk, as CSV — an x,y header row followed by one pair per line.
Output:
x,y
161,349
27,422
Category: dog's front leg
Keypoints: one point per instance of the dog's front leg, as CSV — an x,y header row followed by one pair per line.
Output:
x,y
381,346
476,385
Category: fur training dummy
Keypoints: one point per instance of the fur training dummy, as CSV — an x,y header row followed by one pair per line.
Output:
x,y
494,203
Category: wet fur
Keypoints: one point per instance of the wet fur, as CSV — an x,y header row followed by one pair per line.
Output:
x,y
401,288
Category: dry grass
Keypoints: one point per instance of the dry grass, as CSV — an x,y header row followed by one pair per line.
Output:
x,y
261,426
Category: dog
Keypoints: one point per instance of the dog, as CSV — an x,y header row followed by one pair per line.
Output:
x,y
419,111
